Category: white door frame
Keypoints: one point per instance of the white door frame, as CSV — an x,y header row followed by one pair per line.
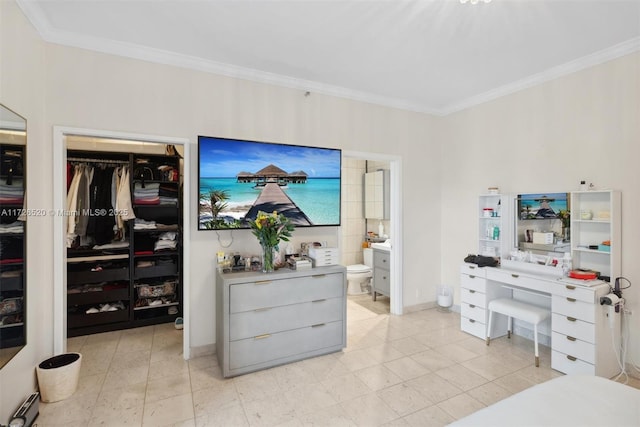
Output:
x,y
59,229
395,220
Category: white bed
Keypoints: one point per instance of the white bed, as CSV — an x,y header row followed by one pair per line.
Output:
x,y
570,400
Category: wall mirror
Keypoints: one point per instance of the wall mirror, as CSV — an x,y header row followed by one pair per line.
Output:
x,y
13,228
376,195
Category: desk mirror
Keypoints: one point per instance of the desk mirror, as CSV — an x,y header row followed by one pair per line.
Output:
x,y
13,228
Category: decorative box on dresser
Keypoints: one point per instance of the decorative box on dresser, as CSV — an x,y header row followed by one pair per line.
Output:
x,y
268,319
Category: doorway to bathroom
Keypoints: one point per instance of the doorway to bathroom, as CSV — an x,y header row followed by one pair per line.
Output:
x,y
357,232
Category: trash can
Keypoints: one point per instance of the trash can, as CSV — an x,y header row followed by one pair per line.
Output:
x,y
444,298
58,376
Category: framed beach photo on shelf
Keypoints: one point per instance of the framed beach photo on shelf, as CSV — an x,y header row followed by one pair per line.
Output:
x,y
238,178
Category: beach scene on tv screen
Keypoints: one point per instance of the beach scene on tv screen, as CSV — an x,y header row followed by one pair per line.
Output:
x,y
237,179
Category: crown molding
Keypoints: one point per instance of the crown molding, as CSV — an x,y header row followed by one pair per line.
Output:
x,y
133,51
600,57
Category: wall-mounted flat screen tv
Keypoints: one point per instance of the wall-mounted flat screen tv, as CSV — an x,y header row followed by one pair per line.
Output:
x,y
238,178
542,206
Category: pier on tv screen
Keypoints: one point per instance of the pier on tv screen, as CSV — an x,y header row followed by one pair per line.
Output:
x,y
238,178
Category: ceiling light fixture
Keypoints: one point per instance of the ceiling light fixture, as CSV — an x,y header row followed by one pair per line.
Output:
x,y
475,1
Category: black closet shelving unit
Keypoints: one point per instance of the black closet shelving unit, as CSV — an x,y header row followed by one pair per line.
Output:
x,y
13,250
135,278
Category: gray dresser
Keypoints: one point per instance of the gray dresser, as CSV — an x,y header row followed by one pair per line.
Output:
x,y
264,320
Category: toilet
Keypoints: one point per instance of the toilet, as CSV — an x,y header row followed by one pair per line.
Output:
x,y
359,275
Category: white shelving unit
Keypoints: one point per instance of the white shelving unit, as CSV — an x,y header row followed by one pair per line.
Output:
x,y
604,225
490,242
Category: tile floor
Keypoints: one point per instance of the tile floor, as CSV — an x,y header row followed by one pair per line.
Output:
x,y
413,370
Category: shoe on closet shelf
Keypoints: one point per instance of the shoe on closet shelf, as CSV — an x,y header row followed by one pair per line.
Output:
x,y
179,323
92,310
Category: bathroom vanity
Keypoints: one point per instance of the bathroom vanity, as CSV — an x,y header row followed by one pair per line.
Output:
x,y
268,319
381,283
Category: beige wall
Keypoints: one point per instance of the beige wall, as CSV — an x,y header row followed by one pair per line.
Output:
x,y
545,139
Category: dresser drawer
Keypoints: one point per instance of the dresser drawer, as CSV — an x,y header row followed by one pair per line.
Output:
x,y
473,327
569,306
576,292
574,347
573,327
475,283
516,279
473,297
274,293
571,365
268,348
382,281
248,324
473,269
472,311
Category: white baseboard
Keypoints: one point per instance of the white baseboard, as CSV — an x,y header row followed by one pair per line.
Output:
x,y
203,350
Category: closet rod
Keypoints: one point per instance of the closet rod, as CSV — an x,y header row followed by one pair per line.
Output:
x,y
80,159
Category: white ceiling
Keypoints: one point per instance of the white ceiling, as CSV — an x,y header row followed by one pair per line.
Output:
x,y
434,56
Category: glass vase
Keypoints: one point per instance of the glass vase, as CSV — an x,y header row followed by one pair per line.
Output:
x,y
566,234
267,259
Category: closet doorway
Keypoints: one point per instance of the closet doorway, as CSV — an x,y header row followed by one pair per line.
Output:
x,y
65,139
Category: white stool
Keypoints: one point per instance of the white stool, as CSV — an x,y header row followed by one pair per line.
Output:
x,y
520,310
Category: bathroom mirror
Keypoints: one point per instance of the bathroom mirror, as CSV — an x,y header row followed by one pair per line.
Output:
x,y
13,227
376,195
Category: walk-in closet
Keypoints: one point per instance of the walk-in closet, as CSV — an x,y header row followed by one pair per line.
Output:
x,y
123,235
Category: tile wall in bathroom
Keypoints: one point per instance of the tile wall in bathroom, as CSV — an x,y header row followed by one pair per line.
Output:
x,y
353,222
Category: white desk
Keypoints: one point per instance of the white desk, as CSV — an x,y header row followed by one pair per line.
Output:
x,y
582,332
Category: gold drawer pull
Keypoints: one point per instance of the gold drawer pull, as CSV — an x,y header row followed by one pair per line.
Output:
x,y
570,287
318,276
471,291
571,299
261,337
571,319
515,276
573,359
472,321
263,282
472,306
318,325
257,310
570,338
319,300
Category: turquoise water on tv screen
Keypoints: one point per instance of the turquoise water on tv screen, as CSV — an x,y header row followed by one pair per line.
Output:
x,y
318,198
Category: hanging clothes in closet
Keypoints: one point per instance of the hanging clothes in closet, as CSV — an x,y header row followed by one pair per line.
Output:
x,y
98,205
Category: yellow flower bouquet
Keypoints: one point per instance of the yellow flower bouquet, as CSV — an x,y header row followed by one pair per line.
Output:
x,y
270,229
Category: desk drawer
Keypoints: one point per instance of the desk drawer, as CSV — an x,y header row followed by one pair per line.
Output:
x,y
576,292
252,351
574,347
277,319
573,327
279,292
473,282
473,270
473,327
516,279
472,311
566,363
569,306
473,297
